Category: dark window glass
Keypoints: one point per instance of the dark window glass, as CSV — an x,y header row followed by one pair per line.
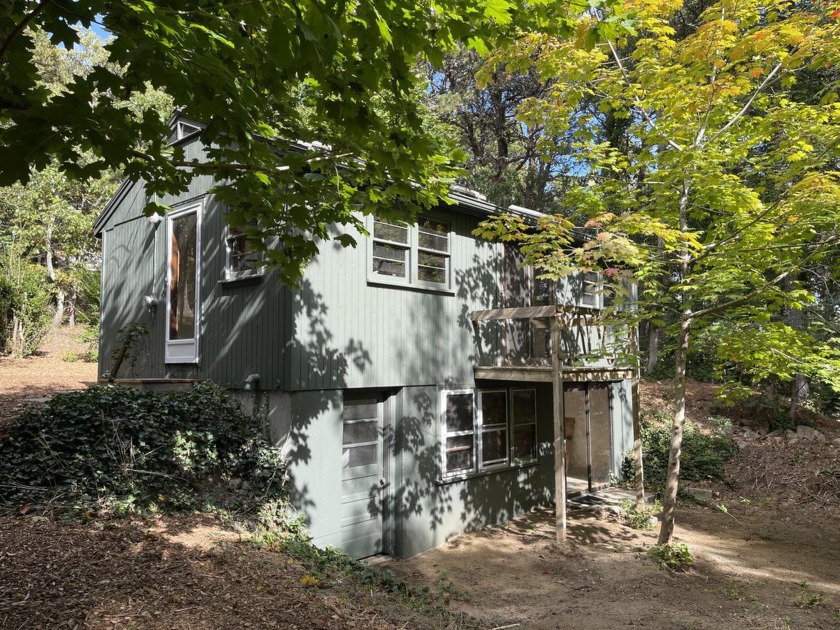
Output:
x,y
459,453
182,283
459,412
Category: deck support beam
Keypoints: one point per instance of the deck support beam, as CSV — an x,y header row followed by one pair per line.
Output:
x,y
559,433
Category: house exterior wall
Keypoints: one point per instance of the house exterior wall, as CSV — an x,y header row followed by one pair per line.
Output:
x,y
421,509
244,324
341,335
351,332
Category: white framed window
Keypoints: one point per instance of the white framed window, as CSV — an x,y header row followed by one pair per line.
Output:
x,y
487,430
458,419
184,129
413,255
592,290
242,258
183,280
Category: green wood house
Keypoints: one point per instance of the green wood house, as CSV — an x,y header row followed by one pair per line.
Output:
x,y
419,384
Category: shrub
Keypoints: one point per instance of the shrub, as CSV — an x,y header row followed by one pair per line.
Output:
x,y
703,455
641,518
125,450
25,310
674,556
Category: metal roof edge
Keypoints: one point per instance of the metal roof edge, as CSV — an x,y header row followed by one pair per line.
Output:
x,y
111,206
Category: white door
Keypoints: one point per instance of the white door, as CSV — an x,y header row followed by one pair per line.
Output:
x,y
362,480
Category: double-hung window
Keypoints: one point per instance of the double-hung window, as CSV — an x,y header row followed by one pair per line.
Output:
x,y
488,430
459,431
412,255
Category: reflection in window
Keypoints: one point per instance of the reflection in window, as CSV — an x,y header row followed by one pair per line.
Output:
x,y
459,433
243,258
411,254
494,428
182,280
524,424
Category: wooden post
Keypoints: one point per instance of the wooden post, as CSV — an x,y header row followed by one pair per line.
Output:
x,y
637,417
559,433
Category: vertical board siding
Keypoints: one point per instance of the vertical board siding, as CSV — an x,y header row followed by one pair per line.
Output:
x,y
243,328
355,334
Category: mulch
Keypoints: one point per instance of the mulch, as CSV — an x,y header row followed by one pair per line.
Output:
x,y
135,575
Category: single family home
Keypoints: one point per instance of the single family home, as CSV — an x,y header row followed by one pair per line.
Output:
x,y
420,383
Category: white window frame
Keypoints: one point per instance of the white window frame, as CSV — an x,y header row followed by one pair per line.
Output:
x,y
229,272
482,427
183,350
592,294
445,433
412,255
479,428
184,129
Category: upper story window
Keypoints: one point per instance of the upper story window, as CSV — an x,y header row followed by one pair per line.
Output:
x,y
591,294
242,257
184,129
413,255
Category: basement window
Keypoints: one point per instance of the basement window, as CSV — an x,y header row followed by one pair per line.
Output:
x,y
487,430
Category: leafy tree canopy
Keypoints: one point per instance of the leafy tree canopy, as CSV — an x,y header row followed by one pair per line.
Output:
x,y
728,186
338,76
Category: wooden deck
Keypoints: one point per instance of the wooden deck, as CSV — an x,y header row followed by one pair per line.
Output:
x,y
545,374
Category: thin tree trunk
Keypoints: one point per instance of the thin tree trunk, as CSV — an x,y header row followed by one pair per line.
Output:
x,y
71,309
795,318
653,349
58,317
669,501
672,480
800,392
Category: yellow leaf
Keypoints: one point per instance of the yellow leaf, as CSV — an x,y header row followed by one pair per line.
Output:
x,y
308,580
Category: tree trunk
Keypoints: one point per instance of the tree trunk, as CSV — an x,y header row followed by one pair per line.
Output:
x,y
71,309
58,317
801,390
672,480
669,501
653,349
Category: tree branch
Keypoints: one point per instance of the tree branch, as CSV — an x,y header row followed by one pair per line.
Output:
x,y
643,110
748,104
21,26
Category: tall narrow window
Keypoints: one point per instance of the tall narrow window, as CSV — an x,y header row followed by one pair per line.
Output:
x,y
524,424
494,428
591,289
182,295
433,252
458,431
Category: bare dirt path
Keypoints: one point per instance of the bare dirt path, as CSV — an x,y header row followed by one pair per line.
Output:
x,y
45,373
753,569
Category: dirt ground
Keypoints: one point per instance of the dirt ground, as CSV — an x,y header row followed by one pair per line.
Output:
x,y
24,381
766,548
767,551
